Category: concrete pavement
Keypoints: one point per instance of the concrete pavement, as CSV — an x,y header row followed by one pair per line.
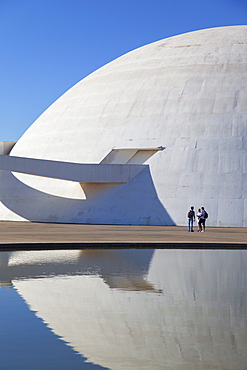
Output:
x,y
29,235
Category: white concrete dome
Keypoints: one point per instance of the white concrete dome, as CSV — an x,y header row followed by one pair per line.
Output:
x,y
188,94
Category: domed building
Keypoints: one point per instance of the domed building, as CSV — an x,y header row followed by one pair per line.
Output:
x,y
173,114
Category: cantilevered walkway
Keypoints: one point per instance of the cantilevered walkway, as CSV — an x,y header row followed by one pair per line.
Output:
x,y
41,236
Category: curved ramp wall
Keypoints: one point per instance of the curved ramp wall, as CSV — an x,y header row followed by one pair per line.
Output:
x,y
187,94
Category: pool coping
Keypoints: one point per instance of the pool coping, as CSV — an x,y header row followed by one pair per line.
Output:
x,y
120,245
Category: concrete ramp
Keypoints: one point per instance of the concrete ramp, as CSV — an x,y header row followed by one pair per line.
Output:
x,y
78,172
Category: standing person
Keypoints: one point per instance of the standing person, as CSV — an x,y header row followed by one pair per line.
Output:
x,y
199,215
202,220
191,219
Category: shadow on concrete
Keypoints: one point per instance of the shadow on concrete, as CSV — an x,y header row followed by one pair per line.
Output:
x,y
133,203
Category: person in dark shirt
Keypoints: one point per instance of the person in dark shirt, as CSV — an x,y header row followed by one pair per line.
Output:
x,y
191,219
202,220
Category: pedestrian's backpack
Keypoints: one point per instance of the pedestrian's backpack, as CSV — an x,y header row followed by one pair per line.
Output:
x,y
190,214
205,214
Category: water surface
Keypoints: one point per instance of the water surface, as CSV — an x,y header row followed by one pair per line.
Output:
x,y
123,309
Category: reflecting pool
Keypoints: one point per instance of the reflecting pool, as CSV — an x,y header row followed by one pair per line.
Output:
x,y
123,309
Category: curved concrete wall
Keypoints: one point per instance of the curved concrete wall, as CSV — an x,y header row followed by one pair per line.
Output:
x,y
187,94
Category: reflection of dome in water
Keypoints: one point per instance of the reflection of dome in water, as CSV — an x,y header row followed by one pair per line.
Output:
x,y
195,319
186,93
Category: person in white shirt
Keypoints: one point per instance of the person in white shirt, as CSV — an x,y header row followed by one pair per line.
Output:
x,y
199,215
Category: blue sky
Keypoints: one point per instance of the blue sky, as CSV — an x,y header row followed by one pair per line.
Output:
x,y
49,45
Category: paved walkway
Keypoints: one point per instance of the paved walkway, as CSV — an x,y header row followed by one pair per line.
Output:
x,y
27,235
